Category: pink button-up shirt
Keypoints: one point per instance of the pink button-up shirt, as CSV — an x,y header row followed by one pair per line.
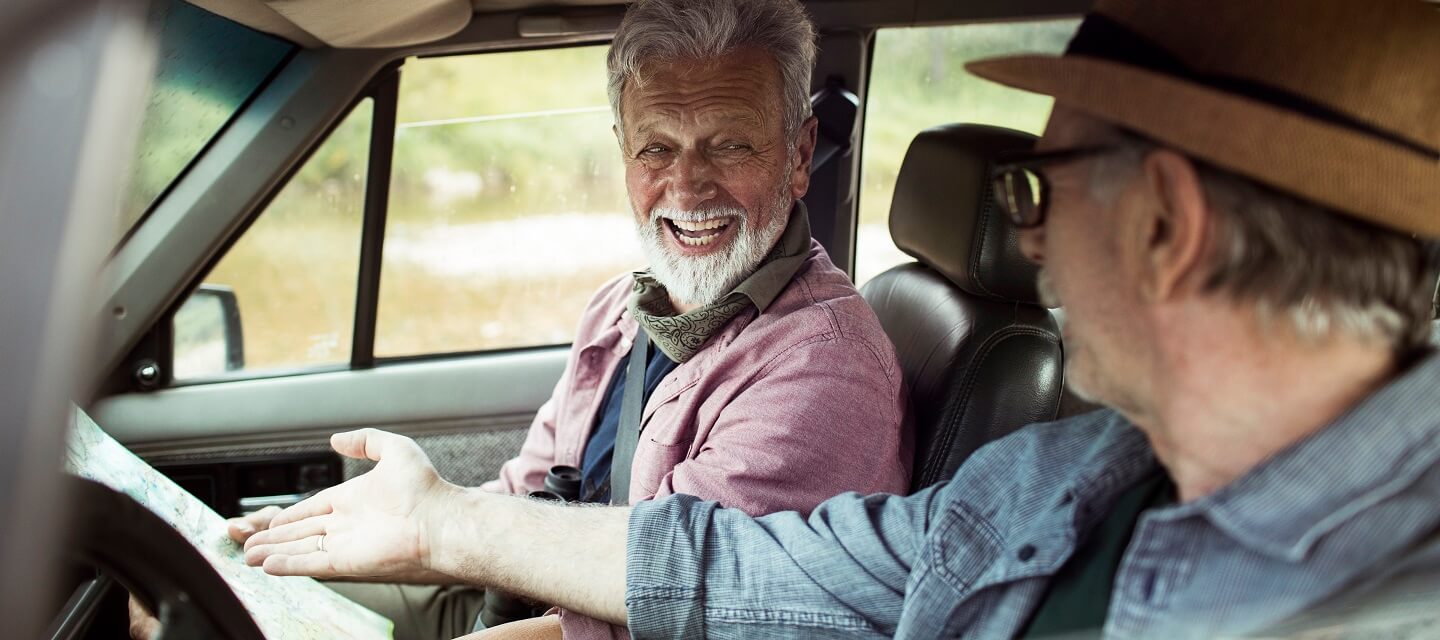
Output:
x,y
777,412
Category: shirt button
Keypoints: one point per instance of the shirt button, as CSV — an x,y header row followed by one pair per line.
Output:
x,y
1067,498
1026,553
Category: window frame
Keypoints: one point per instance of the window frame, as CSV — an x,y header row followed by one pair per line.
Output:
x,y
386,93
162,344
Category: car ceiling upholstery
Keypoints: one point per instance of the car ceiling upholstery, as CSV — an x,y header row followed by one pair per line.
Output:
x,y
370,23
364,24
347,23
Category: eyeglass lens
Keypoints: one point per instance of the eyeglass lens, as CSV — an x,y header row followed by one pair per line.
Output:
x,y
1019,191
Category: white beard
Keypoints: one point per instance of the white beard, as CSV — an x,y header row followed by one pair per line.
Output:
x,y
701,280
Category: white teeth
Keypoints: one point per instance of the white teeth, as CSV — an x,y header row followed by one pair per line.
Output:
x,y
696,242
713,223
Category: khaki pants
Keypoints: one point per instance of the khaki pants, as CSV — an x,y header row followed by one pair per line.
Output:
x,y
420,612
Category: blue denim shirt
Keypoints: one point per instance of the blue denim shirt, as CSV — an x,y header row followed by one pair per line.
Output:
x,y
1352,505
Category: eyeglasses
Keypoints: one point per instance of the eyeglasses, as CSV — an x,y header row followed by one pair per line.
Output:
x,y
1022,190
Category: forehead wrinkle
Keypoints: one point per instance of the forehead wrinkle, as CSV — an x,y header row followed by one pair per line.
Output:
x,y
708,114
722,106
743,86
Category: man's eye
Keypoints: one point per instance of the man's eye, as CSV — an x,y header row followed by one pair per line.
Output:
x,y
653,149
735,146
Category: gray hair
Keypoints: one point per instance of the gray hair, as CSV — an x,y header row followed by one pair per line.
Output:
x,y
675,30
1323,271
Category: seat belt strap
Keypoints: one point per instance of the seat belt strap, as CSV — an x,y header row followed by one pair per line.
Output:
x,y
627,435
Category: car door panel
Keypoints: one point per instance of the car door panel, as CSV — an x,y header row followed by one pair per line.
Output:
x,y
470,414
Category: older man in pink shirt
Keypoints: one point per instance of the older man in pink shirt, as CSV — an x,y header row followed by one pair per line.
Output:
x,y
773,385
795,398
742,366
790,401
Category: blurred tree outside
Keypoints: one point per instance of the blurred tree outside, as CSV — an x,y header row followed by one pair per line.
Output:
x,y
507,206
529,131
294,270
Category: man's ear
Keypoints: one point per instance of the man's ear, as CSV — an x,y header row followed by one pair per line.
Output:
x,y
1172,232
804,155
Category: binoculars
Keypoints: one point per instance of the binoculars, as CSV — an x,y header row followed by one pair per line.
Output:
x,y
562,484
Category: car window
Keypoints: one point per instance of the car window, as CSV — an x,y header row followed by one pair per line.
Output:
x,y
288,283
918,81
206,69
507,202
506,211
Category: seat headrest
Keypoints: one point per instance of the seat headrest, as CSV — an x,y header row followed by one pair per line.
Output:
x,y
944,214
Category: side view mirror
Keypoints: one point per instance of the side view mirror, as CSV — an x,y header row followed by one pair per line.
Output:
x,y
208,337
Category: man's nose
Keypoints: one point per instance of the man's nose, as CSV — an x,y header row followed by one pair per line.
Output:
x,y
1032,243
694,181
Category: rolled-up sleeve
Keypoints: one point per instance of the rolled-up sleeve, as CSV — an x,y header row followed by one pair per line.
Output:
x,y
696,570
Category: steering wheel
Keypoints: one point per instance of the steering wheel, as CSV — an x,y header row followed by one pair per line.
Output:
x,y
137,551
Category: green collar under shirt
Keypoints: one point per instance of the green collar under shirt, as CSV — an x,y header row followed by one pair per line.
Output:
x,y
681,336
1078,596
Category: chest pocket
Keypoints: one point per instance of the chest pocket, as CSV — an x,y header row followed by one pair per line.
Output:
x,y
667,430
958,553
669,416
963,547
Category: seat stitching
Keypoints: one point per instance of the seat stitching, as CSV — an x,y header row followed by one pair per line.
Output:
x,y
948,433
979,247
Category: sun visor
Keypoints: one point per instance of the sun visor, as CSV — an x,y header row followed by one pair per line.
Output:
x,y
351,24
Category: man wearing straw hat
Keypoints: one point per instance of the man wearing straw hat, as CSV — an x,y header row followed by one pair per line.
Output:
x,y
1237,204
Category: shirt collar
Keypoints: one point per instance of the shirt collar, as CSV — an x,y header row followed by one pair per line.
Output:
x,y
680,337
766,283
1373,451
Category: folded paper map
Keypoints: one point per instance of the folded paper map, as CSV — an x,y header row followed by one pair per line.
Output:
x,y
299,608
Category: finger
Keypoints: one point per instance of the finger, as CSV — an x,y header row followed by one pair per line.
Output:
x,y
242,528
143,625
317,505
315,565
290,532
372,444
256,555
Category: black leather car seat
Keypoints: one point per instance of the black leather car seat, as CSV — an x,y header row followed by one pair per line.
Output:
x,y
982,358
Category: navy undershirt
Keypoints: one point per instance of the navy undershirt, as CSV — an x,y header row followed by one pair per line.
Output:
x,y
600,451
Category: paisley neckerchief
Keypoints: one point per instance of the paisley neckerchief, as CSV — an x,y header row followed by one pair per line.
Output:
x,y
680,336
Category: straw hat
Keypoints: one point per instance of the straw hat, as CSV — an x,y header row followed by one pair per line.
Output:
x,y
1335,101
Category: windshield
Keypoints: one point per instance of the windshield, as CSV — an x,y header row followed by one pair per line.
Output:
x,y
208,67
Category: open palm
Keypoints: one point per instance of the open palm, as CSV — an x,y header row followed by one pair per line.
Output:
x,y
372,526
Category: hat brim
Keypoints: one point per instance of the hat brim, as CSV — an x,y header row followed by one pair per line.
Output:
x,y
1361,175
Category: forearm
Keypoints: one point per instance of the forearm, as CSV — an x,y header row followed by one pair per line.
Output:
x,y
571,556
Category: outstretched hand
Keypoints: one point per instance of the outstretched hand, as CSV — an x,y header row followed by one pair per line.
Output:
x,y
377,525
241,528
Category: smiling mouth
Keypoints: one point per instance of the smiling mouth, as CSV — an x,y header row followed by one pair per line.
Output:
x,y
697,234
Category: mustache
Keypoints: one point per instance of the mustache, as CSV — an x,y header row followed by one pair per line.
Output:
x,y
696,215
